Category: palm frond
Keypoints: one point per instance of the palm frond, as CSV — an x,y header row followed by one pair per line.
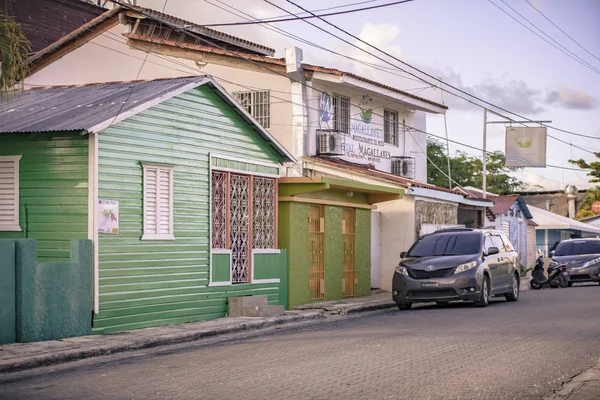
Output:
x,y
14,50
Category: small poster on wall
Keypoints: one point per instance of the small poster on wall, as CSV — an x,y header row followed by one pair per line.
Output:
x,y
108,214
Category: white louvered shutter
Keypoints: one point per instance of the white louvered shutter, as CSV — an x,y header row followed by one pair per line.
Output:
x,y
164,201
9,193
158,202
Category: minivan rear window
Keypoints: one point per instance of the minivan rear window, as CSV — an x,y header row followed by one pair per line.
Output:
x,y
446,244
578,247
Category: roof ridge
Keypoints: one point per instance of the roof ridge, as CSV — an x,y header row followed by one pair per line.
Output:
x,y
91,84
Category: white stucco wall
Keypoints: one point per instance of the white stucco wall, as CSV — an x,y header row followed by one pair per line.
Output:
x,y
94,62
365,138
397,232
375,249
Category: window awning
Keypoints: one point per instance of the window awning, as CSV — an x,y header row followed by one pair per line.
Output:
x,y
301,185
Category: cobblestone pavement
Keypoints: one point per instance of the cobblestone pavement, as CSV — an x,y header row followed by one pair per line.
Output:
x,y
522,350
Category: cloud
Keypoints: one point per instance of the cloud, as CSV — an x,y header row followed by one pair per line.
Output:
x,y
571,99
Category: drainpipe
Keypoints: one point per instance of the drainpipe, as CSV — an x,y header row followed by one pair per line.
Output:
x,y
295,72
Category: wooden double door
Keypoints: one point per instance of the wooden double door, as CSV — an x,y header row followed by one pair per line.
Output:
x,y
317,252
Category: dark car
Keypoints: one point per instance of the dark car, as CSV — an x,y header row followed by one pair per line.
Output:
x,y
582,258
457,264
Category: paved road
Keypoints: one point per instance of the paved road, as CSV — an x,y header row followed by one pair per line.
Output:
x,y
518,350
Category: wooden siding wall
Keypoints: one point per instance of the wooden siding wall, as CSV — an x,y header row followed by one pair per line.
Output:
x,y
53,201
151,283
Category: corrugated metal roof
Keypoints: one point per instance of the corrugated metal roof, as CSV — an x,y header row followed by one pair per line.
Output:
x,y
94,107
242,44
46,21
69,108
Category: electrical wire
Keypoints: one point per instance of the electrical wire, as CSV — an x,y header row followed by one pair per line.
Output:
x,y
248,17
414,68
327,9
309,16
276,72
556,44
559,28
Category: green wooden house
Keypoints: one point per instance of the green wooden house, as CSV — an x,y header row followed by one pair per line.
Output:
x,y
174,183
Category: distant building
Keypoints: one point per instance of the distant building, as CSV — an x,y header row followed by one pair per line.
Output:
x,y
554,201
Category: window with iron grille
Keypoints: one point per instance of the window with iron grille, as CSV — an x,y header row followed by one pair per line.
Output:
x,y
341,113
390,127
257,104
237,199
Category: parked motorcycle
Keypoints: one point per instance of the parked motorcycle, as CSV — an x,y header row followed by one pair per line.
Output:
x,y
558,276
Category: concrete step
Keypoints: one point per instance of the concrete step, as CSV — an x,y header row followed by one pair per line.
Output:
x,y
252,306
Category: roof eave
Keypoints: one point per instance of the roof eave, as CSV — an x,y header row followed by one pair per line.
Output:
x,y
407,99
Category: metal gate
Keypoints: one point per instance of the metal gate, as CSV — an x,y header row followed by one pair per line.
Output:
x,y
316,282
348,242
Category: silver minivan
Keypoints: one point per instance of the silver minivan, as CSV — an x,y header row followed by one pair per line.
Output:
x,y
457,264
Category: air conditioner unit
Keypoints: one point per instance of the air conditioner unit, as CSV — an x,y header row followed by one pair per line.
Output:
x,y
404,167
330,142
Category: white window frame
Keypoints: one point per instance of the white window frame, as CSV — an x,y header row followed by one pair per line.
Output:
x,y
257,103
341,113
14,226
153,235
390,127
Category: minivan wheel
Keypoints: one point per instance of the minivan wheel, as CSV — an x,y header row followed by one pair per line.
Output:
x,y
485,293
404,306
514,294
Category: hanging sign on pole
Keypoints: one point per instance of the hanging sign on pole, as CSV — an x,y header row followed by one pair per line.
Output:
x,y
526,147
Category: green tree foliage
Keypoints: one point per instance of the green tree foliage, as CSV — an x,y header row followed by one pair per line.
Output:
x,y
466,170
594,168
592,195
14,51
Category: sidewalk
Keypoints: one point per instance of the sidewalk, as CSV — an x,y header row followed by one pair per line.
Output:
x,y
21,356
585,386
378,300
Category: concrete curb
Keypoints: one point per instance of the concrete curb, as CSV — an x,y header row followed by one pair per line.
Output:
x,y
584,386
178,335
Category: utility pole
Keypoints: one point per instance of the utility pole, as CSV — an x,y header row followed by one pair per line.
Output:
x,y
484,186
447,147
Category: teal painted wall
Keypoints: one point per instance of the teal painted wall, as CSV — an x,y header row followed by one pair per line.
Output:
x,y
151,283
221,265
363,252
8,296
53,179
333,253
49,300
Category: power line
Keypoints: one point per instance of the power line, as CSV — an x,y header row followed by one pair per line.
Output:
x,y
287,34
568,53
326,9
411,66
275,29
277,73
566,34
310,16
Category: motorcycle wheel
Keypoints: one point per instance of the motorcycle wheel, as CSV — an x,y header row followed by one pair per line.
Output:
x,y
563,282
554,283
535,285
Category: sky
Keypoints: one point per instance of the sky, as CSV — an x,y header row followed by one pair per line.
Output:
x,y
471,44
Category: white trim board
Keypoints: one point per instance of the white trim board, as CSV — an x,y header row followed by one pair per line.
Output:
x,y
240,171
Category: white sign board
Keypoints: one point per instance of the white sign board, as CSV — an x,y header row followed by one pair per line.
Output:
x,y
364,143
525,147
108,216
